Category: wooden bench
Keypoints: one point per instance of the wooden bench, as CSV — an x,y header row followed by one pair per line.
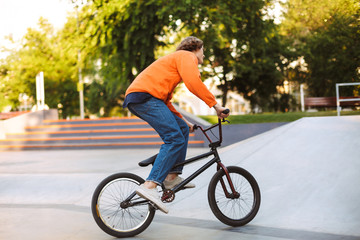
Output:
x,y
328,102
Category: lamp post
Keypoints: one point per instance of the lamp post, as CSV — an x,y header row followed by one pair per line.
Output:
x,y
81,83
40,91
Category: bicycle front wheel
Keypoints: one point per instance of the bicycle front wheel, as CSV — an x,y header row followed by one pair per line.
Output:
x,y
114,215
234,209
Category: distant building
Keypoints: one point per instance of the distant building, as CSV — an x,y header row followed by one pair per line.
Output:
x,y
192,104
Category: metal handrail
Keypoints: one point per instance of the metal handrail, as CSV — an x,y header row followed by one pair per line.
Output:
x,y
338,100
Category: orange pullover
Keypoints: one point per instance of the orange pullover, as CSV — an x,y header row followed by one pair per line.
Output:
x,y
162,76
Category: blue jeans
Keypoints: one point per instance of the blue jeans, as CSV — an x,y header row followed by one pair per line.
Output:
x,y
173,131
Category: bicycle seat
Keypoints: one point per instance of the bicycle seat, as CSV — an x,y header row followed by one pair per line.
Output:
x,y
148,161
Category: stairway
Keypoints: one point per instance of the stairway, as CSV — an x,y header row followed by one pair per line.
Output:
x,y
126,132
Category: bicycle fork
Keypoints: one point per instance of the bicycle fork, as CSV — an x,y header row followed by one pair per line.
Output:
x,y
234,194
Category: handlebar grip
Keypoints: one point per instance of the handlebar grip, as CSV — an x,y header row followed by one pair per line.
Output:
x,y
226,111
195,126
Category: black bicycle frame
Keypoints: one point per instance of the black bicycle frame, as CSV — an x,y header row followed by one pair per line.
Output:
x,y
200,170
216,159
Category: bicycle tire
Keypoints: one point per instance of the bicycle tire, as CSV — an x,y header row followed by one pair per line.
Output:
x,y
234,211
110,216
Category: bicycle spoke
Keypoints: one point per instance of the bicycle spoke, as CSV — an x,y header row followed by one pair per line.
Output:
x,y
233,208
111,212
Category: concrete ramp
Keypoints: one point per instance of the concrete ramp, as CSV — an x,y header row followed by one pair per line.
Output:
x,y
308,172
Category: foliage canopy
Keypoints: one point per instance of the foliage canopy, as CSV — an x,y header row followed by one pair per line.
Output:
x,y
317,43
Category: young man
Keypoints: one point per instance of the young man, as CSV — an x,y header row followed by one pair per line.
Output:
x,y
148,97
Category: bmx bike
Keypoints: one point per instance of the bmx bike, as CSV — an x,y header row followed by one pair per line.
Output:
x,y
233,194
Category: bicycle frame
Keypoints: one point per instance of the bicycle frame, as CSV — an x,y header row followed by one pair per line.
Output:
x,y
216,159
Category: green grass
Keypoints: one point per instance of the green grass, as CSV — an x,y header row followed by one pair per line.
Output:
x,y
276,117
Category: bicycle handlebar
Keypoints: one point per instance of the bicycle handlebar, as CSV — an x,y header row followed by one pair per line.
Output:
x,y
218,143
226,111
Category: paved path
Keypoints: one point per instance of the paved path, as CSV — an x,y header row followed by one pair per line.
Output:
x,y
308,172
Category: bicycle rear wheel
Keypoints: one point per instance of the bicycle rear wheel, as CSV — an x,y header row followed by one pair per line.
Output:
x,y
112,215
234,210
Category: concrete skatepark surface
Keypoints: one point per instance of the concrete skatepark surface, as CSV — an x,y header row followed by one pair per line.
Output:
x,y
307,170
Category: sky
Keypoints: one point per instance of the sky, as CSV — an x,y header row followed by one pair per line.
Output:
x,y
16,16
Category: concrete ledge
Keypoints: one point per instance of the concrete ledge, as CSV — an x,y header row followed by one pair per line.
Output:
x,y
19,123
191,117
232,133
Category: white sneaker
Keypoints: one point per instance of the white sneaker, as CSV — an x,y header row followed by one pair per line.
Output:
x,y
153,196
175,182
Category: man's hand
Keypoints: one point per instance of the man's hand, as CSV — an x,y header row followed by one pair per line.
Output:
x,y
219,111
191,125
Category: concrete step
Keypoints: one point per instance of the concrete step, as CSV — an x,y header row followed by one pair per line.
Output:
x,y
102,145
88,134
88,126
92,121
85,139
81,132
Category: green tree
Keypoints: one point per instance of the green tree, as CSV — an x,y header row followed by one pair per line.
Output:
x,y
49,52
327,35
242,47
121,40
258,65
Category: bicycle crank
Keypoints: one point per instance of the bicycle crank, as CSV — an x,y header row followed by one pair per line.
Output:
x,y
168,196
